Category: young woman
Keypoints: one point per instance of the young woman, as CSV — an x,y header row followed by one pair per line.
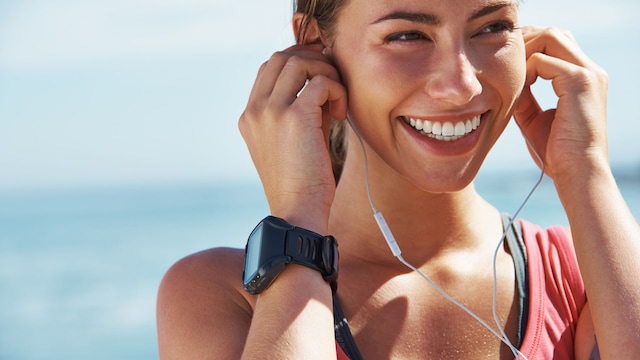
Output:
x,y
428,86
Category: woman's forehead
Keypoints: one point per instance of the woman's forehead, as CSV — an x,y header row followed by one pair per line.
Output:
x,y
371,8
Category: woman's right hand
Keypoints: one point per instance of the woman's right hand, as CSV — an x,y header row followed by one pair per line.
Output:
x,y
286,128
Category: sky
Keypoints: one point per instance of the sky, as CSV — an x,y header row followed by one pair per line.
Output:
x,y
135,92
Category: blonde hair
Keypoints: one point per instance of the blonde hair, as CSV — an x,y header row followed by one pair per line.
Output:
x,y
325,13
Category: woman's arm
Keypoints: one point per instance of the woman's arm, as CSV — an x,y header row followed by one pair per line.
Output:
x,y
572,142
293,318
607,242
203,312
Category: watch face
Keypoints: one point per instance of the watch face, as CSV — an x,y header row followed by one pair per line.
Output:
x,y
252,257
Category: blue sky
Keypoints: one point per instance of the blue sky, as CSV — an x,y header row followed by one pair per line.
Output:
x,y
118,92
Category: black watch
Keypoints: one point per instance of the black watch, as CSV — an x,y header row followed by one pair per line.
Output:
x,y
274,243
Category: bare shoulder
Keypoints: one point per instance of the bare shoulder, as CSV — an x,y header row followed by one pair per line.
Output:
x,y
202,310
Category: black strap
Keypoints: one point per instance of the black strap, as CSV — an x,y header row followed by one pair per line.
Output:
x,y
305,248
315,251
515,246
344,338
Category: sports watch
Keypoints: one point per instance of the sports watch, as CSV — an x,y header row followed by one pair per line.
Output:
x,y
274,243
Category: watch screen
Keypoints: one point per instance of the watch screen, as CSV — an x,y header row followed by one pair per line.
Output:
x,y
252,257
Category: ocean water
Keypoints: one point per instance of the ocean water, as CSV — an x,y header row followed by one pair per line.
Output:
x,y
79,269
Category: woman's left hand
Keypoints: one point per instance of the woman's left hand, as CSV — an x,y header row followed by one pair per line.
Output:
x,y
572,136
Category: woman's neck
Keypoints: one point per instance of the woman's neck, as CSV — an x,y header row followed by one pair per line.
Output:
x,y
425,225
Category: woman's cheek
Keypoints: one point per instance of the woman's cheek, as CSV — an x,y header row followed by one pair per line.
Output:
x,y
512,59
373,83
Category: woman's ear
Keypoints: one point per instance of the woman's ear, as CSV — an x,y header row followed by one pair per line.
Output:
x,y
306,29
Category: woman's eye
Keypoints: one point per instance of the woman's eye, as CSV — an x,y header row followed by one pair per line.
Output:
x,y
405,36
498,27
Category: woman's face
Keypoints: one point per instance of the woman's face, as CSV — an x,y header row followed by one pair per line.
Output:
x,y
432,83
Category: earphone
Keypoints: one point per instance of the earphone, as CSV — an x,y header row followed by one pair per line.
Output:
x,y
397,252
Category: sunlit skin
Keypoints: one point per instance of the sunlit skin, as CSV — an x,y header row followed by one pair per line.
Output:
x,y
430,61
408,75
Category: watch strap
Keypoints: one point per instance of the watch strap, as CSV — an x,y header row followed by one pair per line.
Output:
x,y
315,251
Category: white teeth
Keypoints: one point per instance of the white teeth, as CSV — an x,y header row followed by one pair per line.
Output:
x,y
446,131
436,128
427,127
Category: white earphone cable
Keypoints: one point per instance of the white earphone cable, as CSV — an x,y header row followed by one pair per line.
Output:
x,y
395,249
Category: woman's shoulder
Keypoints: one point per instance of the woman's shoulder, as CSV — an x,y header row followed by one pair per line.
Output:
x,y
208,262
210,273
201,301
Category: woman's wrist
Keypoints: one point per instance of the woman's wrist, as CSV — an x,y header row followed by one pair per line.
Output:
x,y
310,216
295,286
293,317
580,169
583,185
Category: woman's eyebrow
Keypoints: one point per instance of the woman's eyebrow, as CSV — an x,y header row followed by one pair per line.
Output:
x,y
416,17
433,20
489,9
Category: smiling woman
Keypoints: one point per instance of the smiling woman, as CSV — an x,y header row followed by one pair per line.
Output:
x,y
111,111
422,90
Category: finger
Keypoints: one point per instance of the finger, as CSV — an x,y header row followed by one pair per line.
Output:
x,y
267,76
527,108
554,42
528,30
270,70
566,78
534,123
294,76
322,90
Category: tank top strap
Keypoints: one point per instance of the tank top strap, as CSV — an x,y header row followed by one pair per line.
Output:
x,y
514,244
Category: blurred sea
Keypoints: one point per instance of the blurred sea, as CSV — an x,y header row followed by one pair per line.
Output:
x,y
79,269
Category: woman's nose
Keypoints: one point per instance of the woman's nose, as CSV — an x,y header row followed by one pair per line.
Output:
x,y
455,80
